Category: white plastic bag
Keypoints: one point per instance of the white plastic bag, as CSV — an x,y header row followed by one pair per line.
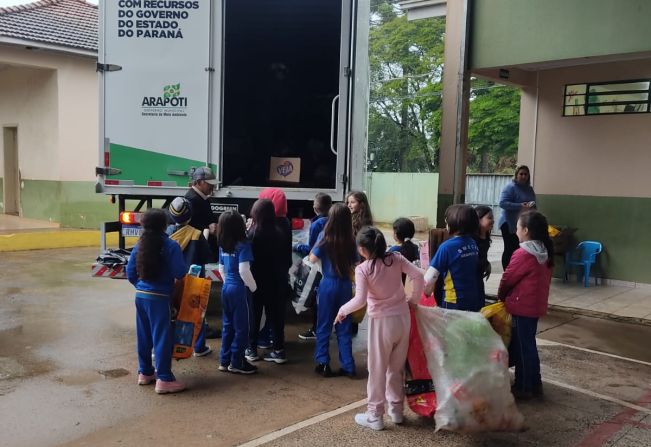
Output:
x,y
304,279
469,367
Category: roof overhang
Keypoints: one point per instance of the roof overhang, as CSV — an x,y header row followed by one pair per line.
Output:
x,y
524,74
42,46
424,9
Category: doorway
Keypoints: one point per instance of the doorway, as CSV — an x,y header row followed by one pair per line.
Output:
x,y
281,74
11,186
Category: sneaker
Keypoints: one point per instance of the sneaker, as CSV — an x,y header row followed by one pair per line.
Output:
x,y
223,367
206,350
397,418
365,420
276,356
246,368
265,345
163,387
307,335
350,375
323,369
251,354
146,380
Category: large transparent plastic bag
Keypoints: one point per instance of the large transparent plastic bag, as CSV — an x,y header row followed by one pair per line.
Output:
x,y
469,367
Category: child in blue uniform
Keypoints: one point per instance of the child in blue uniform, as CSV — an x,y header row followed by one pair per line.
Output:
x,y
321,205
155,263
337,252
457,262
235,258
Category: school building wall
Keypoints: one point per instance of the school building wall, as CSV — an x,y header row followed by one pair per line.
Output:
x,y
515,32
52,99
592,172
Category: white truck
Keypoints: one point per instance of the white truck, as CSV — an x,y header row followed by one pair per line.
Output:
x,y
265,92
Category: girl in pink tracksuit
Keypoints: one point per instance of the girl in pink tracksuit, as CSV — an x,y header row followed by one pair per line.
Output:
x,y
379,285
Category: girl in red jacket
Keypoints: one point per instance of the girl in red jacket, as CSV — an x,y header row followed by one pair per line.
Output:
x,y
525,290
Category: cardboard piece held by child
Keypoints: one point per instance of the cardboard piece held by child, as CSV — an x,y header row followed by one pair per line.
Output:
x,y
191,296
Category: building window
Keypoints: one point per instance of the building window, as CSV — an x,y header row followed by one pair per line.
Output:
x,y
605,98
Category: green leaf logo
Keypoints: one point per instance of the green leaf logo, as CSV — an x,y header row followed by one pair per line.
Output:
x,y
171,91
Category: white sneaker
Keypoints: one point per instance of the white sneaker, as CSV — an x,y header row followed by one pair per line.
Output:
x,y
364,419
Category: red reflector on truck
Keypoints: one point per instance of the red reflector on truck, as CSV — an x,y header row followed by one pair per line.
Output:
x,y
111,182
161,183
129,217
107,159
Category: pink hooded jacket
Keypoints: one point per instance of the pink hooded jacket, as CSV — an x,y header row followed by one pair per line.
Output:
x,y
277,197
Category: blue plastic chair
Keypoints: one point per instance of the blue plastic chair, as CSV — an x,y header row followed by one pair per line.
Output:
x,y
584,255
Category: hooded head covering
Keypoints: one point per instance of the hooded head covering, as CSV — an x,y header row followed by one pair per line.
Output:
x,y
277,197
537,249
180,210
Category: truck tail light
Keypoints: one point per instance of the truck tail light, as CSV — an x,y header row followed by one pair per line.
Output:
x,y
130,218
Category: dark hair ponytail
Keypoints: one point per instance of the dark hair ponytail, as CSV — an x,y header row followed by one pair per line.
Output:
x,y
404,230
372,240
537,225
150,246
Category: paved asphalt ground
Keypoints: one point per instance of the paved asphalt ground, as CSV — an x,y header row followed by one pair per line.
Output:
x,y
68,364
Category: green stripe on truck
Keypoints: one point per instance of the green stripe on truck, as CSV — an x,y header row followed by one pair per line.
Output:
x,y
141,166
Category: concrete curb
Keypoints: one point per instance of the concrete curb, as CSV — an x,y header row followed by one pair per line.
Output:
x,y
590,313
602,315
44,240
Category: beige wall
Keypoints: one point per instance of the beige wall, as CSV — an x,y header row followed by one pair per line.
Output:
x,y
607,155
78,119
29,101
53,99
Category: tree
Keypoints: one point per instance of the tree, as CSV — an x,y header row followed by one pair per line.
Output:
x,y
493,128
406,61
406,64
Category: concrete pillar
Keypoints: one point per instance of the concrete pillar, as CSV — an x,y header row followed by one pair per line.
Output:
x,y
456,96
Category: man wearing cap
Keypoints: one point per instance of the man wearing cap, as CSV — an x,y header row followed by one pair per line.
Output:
x,y
203,219
203,184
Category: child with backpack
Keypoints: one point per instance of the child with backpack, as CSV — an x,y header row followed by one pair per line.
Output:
x,y
378,283
335,249
524,288
155,263
235,258
195,251
457,262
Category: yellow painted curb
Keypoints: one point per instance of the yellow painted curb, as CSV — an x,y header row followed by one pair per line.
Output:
x,y
42,240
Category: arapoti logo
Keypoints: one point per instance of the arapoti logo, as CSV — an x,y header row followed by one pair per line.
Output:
x,y
285,169
171,98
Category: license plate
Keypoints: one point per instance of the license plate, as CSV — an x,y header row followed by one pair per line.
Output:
x,y
131,230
